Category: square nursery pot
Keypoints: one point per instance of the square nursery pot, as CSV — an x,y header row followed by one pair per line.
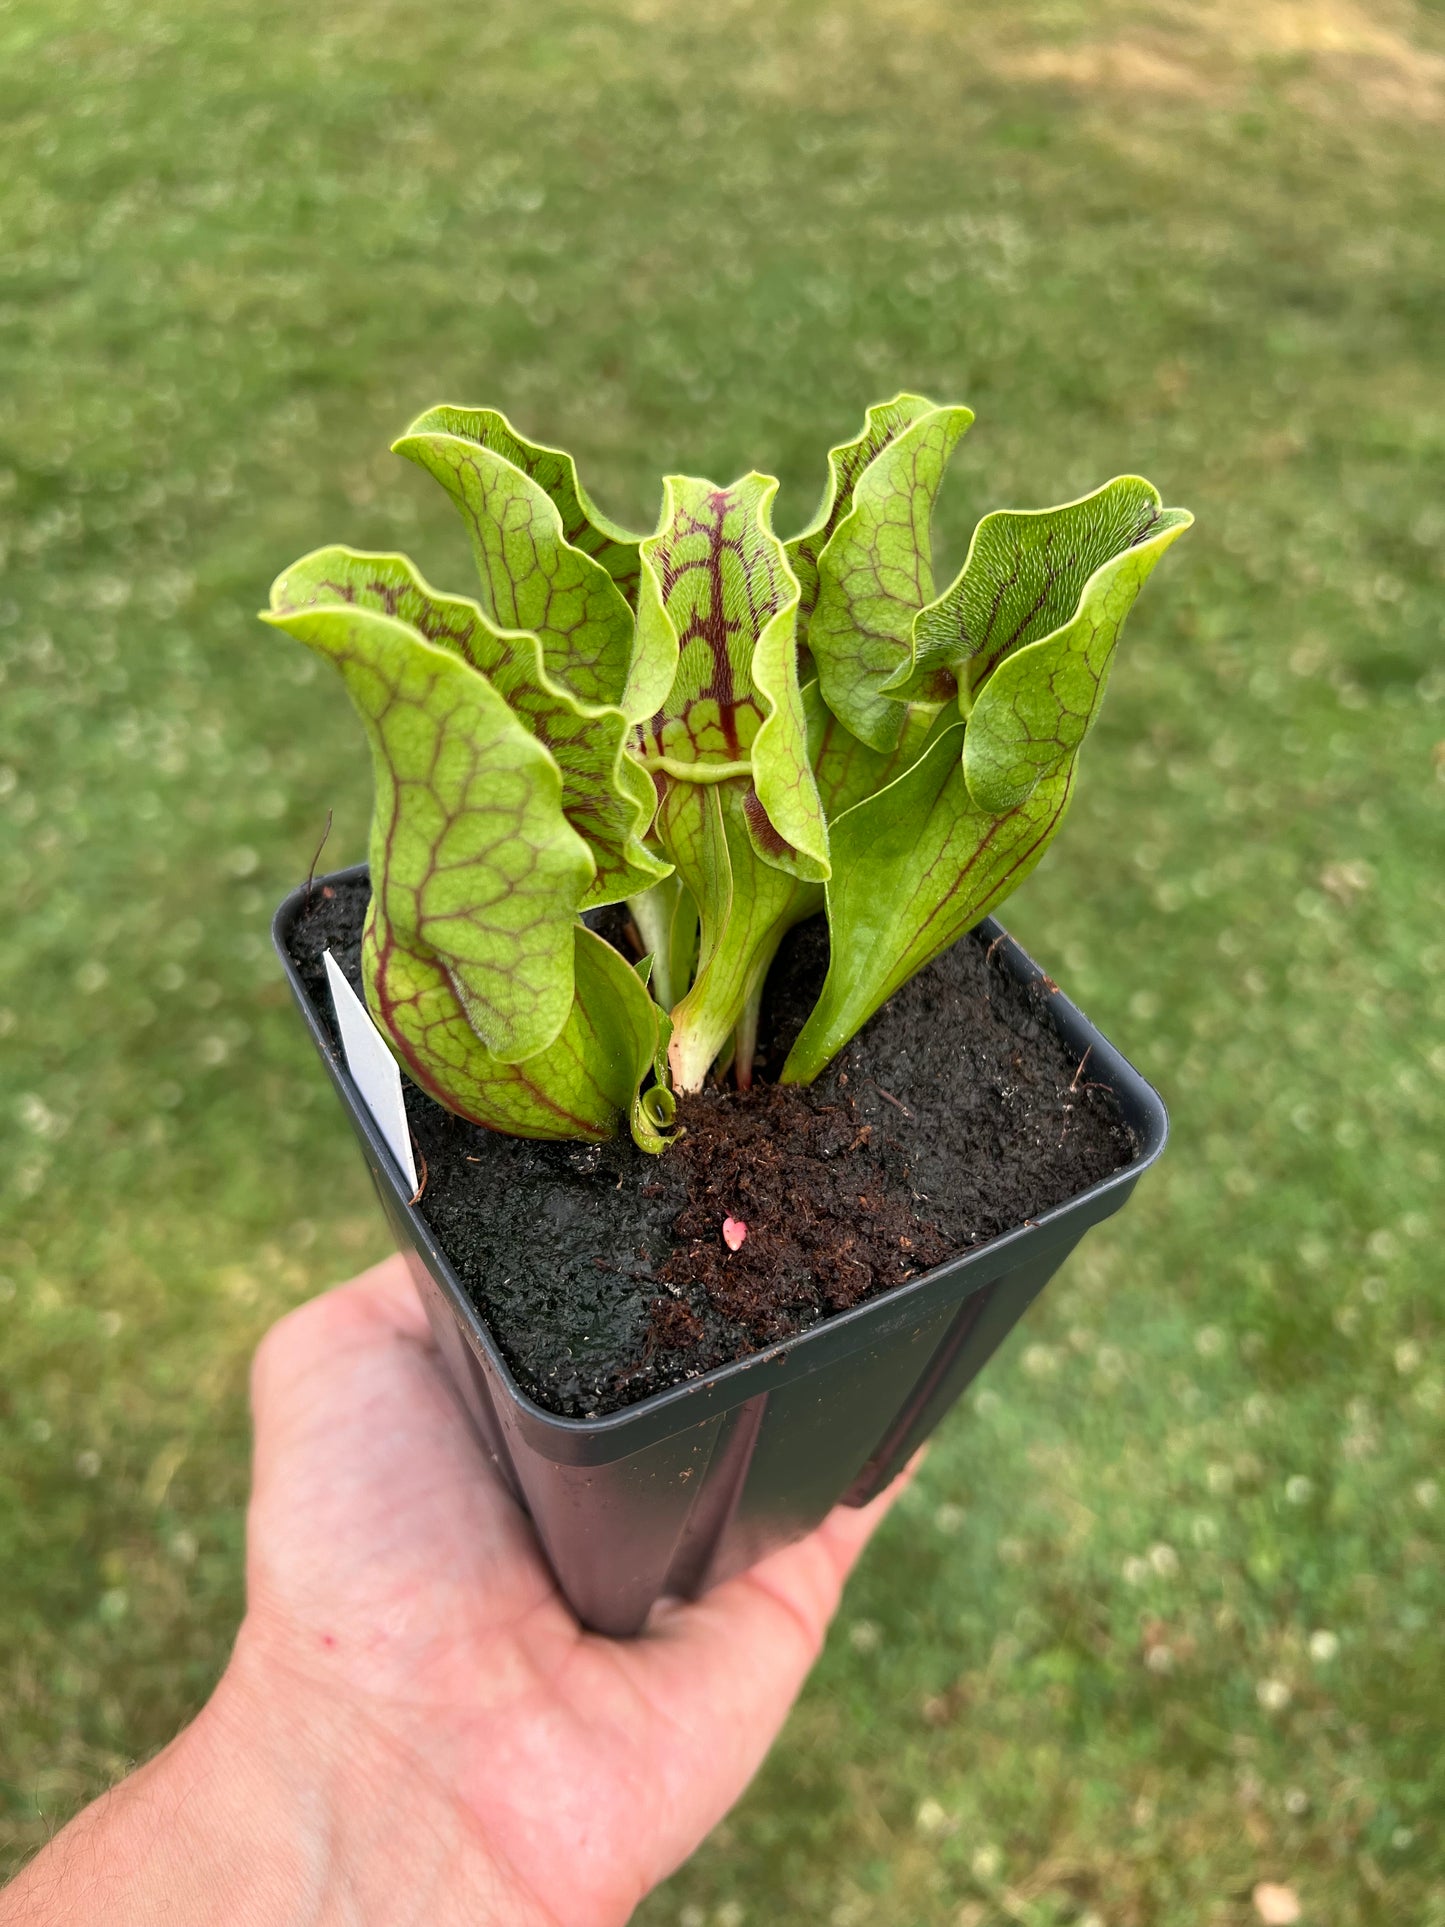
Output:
x,y
693,1484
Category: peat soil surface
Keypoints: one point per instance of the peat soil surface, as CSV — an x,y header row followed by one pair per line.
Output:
x,y
956,1114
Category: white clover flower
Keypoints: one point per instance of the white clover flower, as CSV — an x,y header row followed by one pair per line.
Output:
x,y
1276,1906
242,861
932,1818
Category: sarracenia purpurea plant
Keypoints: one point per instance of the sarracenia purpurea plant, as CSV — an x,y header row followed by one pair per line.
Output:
x,y
725,730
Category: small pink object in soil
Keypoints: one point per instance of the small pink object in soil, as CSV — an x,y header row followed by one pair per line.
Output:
x,y
734,1231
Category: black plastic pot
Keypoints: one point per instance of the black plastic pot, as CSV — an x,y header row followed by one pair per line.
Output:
x,y
696,1483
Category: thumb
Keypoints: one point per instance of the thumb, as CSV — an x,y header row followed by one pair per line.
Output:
x,y
726,1668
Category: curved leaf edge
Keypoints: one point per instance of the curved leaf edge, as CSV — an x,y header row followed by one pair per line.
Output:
x,y
853,690
630,778
794,834
308,624
912,682
441,417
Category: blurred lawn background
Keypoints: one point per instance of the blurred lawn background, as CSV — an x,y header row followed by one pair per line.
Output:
x,y
1162,1619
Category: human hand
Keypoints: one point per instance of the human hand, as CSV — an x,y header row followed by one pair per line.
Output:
x,y
413,1727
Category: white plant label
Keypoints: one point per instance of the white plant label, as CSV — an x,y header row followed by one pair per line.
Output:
x,y
373,1068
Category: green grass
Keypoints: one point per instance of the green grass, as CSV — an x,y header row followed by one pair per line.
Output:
x,y
1162,1617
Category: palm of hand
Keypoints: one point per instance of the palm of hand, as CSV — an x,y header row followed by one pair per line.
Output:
x,y
399,1594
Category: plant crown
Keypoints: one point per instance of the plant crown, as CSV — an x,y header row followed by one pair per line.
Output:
x,y
727,731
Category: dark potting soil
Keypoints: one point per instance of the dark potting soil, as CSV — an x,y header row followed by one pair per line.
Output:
x,y
955,1115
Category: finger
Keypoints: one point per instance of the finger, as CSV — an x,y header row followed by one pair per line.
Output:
x,y
380,1302
357,1364
387,1294
365,1459
341,1378
798,1587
